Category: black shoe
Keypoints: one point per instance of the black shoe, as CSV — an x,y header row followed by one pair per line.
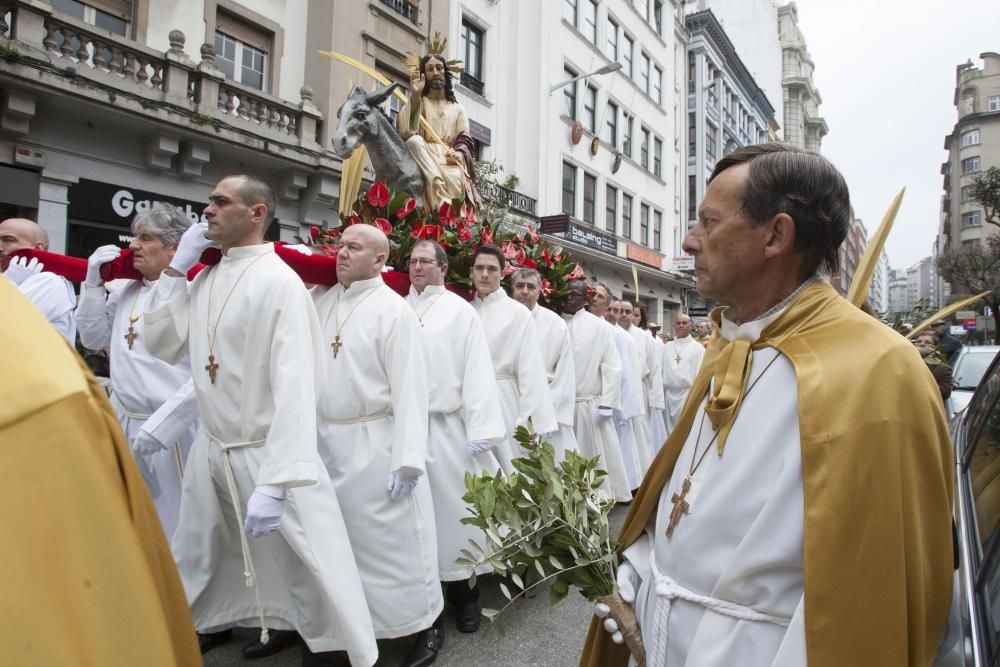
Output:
x,y
277,640
468,616
206,642
425,649
325,659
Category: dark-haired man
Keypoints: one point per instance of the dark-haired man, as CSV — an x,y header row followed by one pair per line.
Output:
x,y
740,546
516,354
252,335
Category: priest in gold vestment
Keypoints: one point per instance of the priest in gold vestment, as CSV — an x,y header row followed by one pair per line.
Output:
x,y
800,511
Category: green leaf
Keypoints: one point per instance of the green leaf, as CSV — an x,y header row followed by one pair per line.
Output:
x,y
517,580
504,590
488,500
540,568
490,613
555,563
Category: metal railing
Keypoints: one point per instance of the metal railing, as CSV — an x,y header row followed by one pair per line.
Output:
x,y
404,9
512,198
472,83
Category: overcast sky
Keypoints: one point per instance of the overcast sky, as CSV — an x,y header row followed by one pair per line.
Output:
x,y
886,72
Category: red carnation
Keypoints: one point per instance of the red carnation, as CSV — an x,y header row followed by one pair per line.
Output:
x,y
384,225
406,208
378,194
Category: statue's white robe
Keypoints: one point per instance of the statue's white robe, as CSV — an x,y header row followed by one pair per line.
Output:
x,y
519,370
373,420
464,406
147,394
598,383
268,348
557,353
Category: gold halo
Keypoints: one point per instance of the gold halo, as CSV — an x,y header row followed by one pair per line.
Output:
x,y
435,47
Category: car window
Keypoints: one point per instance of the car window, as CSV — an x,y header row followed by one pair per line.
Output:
x,y
970,368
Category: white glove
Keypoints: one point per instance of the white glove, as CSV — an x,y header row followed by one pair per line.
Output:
x,y
402,481
100,257
20,269
147,444
603,413
263,514
628,582
191,245
299,247
477,447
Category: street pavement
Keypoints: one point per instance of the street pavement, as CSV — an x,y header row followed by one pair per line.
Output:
x,y
535,634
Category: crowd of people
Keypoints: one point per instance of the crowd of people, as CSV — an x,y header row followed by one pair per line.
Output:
x,y
305,449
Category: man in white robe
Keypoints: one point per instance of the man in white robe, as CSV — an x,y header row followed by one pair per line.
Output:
x,y
250,330
557,353
373,439
465,418
155,401
51,294
598,389
604,305
681,361
653,389
641,370
516,353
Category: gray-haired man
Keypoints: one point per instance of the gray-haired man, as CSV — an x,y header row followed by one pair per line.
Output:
x,y
154,400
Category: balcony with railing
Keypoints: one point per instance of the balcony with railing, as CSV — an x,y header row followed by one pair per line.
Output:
x,y
514,200
472,83
404,8
68,55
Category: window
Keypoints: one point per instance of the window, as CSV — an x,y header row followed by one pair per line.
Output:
x,y
644,149
111,15
627,216
241,50
970,242
569,12
569,189
643,7
970,164
644,73
644,224
628,125
966,193
711,144
692,138
611,209
472,49
657,229
994,103
972,219
627,44
590,109
611,125
589,197
612,48
657,157
569,94
658,85
691,77
590,21
970,138
692,197
658,17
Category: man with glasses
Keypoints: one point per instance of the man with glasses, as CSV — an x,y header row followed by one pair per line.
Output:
x,y
465,418
373,439
517,358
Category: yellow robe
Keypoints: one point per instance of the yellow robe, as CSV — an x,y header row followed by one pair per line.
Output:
x,y
877,484
88,576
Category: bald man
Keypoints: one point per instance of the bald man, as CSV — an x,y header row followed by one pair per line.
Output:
x,y
681,361
373,439
51,294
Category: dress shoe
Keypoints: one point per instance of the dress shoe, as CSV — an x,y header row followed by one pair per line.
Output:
x,y
324,659
278,640
468,616
206,642
425,649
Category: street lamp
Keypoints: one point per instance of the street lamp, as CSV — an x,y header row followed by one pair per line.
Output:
x,y
607,69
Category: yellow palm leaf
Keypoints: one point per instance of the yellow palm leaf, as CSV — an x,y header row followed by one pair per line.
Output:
x,y
869,260
945,312
350,179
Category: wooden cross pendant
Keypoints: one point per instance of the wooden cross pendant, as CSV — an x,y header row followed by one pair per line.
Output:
x,y
131,336
212,367
336,345
681,507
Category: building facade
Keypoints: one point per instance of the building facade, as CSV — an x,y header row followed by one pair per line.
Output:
x,y
878,293
973,147
921,284
803,126
899,303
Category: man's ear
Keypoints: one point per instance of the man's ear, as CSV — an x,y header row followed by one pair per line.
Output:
x,y
780,236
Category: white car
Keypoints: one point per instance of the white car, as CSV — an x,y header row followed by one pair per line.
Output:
x,y
967,371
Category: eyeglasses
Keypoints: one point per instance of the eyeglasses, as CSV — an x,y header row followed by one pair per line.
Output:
x,y
422,261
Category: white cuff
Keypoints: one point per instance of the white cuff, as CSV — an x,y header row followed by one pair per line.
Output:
x,y
276,491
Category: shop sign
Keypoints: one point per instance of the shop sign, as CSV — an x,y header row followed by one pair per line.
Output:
x,y
685,263
644,255
104,202
592,238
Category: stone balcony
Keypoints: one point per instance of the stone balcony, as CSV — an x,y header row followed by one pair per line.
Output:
x,y
44,53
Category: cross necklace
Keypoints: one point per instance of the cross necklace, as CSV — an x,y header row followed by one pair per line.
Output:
x,y
337,325
420,315
679,500
211,366
131,335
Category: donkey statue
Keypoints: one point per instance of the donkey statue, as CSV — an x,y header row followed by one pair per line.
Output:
x,y
362,121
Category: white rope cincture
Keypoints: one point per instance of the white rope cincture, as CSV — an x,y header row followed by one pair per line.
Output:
x,y
360,419
249,572
506,376
668,590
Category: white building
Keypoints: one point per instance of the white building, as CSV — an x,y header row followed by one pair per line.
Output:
x,y
803,126
878,293
921,283
899,303
620,184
